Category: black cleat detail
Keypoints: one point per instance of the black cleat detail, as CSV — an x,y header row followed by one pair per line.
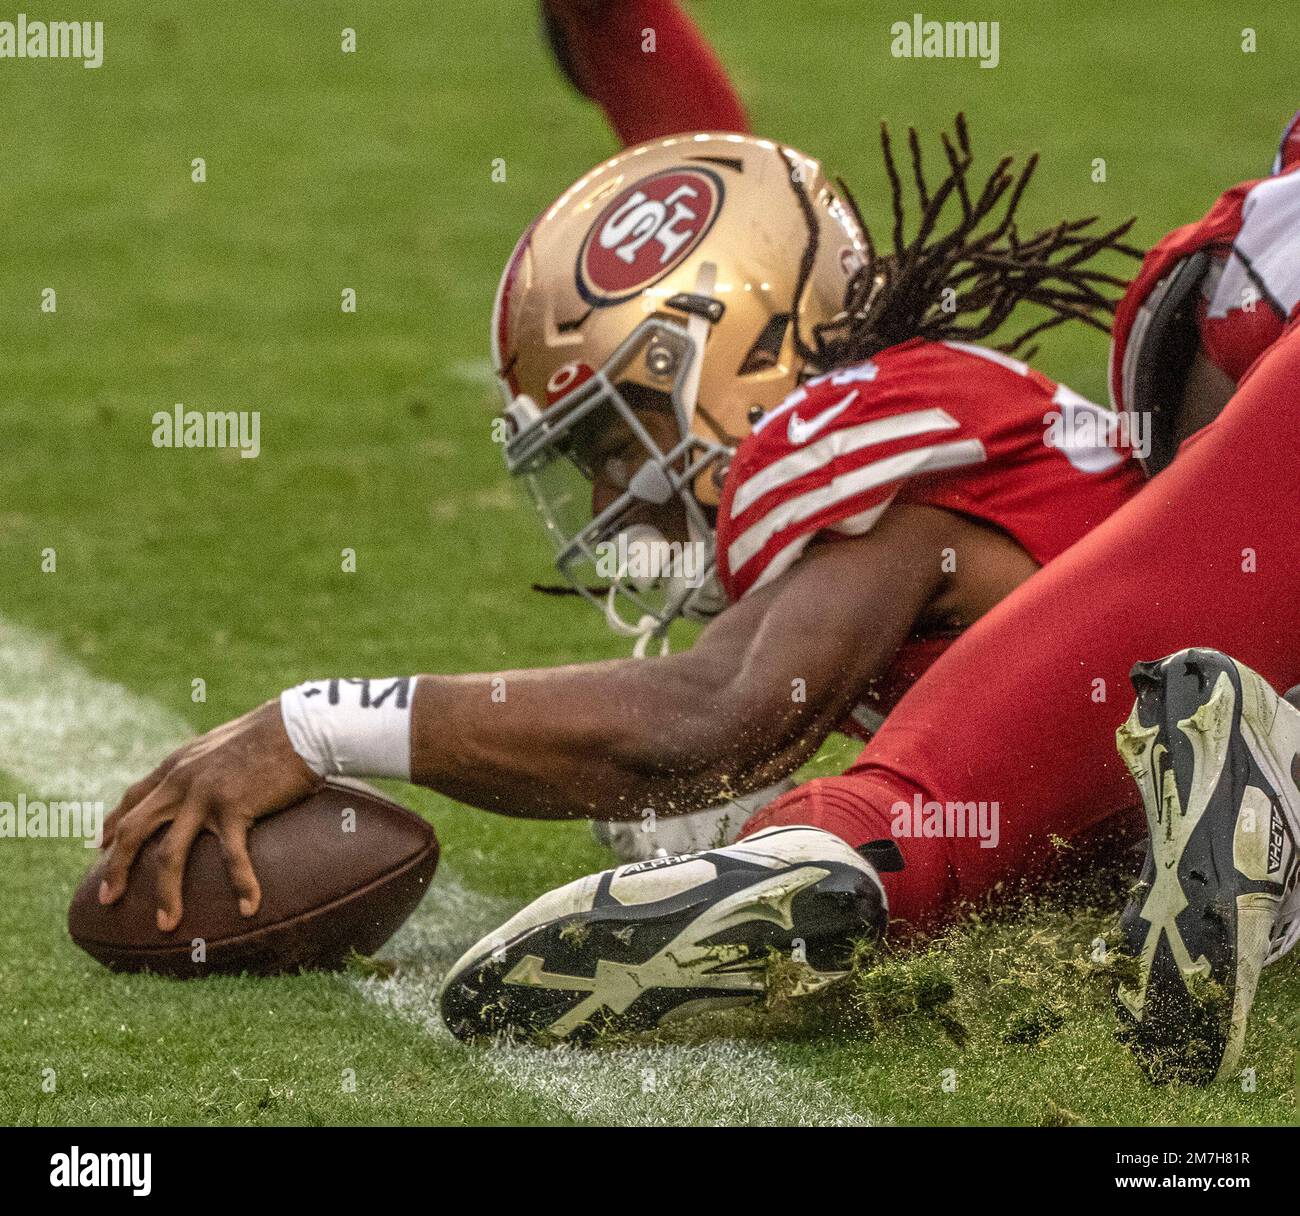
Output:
x,y
1199,920
633,957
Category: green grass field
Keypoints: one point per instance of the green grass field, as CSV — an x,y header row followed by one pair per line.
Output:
x,y
373,171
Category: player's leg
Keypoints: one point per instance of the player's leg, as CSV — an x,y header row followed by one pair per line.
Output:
x,y
646,64
1021,711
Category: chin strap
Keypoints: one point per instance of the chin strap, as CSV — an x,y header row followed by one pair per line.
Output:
x,y
643,630
697,330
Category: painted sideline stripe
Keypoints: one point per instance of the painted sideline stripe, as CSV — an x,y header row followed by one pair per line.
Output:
x,y
721,1082
70,734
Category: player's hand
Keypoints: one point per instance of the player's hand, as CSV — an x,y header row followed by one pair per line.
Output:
x,y
220,782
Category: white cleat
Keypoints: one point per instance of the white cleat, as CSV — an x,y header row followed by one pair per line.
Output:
x,y
631,947
1213,750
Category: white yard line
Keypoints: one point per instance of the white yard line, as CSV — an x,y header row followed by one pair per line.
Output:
x,y
65,732
721,1082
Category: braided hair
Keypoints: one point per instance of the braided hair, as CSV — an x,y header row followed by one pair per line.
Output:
x,y
960,284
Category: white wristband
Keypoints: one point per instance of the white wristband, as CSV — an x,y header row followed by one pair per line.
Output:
x,y
353,728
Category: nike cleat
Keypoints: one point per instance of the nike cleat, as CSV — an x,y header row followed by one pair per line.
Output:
x,y
1213,750
638,945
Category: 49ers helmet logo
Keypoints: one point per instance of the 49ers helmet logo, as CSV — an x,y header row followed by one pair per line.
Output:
x,y
645,231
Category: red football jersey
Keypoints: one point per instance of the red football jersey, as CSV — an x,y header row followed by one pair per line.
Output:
x,y
1253,234
941,423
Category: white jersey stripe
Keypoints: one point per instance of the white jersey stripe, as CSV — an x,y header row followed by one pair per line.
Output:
x,y
855,525
858,481
1270,239
838,443
863,521
1018,366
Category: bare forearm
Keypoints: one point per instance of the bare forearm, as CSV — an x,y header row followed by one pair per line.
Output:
x,y
764,684
593,739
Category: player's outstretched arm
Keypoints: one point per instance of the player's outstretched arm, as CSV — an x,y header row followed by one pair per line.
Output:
x,y
755,697
762,687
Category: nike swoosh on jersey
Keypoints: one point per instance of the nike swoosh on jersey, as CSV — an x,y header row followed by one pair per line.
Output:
x,y
800,431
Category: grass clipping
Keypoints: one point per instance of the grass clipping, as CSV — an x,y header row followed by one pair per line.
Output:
x,y
1006,983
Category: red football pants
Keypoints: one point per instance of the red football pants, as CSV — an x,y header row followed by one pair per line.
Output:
x,y
1206,554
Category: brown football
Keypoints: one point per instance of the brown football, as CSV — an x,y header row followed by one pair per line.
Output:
x,y
326,891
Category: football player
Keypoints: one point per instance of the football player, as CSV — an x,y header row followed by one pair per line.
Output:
x,y
1211,300
1206,344
727,403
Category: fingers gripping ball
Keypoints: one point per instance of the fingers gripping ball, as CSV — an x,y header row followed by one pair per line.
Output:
x,y
340,872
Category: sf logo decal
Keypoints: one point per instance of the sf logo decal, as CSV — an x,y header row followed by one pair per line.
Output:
x,y
645,231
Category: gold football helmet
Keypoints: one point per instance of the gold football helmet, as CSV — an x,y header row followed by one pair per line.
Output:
x,y
671,294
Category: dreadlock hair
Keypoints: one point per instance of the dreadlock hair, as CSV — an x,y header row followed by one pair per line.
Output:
x,y
962,284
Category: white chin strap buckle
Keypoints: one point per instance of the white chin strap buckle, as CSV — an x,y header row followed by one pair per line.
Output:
x,y
643,630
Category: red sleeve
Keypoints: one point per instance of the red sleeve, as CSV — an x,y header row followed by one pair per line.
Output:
x,y
830,458
948,425
1216,228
